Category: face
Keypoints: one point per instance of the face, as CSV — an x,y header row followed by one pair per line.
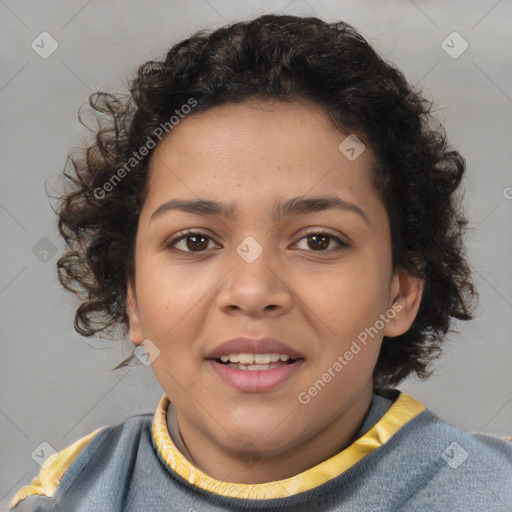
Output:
x,y
311,278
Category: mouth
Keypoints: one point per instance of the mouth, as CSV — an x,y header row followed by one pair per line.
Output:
x,y
255,362
254,365
255,373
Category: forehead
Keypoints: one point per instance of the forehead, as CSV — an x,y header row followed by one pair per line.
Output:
x,y
255,152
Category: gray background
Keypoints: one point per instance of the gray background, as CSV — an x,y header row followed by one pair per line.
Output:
x,y
55,385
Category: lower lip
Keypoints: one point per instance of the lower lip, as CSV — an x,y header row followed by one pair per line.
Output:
x,y
255,381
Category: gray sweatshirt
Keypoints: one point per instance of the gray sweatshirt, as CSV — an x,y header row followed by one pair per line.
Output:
x,y
404,458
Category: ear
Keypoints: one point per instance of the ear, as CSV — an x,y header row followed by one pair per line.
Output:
x,y
406,293
132,310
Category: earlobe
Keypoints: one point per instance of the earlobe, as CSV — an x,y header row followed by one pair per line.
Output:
x,y
407,292
132,310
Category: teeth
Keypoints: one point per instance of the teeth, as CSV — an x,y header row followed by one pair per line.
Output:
x,y
253,366
250,359
262,358
245,358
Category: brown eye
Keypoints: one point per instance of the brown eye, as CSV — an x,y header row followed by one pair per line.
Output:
x,y
320,242
191,241
196,242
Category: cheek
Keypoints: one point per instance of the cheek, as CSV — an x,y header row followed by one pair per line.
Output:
x,y
355,295
165,294
356,298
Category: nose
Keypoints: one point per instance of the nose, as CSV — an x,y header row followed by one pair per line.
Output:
x,y
255,287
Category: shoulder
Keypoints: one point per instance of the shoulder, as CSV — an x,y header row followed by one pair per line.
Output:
x,y
453,467
94,450
484,449
428,430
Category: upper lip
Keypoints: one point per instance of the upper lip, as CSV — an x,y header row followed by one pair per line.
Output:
x,y
246,345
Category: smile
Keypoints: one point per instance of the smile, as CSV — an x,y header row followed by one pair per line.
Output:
x,y
246,361
255,373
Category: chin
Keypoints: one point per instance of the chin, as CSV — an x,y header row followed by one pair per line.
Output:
x,y
259,446
268,437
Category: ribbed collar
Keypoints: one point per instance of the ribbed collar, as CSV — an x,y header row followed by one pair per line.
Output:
x,y
401,411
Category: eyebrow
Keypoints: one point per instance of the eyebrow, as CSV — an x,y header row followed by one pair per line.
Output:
x,y
294,206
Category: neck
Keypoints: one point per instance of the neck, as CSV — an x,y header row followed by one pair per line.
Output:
x,y
253,467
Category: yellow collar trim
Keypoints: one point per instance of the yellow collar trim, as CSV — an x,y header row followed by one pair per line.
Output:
x,y
52,471
403,410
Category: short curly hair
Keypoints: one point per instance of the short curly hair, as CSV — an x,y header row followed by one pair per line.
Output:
x,y
283,58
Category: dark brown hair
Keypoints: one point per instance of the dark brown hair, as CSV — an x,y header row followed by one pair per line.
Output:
x,y
283,58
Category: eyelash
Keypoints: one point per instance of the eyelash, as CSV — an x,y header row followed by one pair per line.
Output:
x,y
185,234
